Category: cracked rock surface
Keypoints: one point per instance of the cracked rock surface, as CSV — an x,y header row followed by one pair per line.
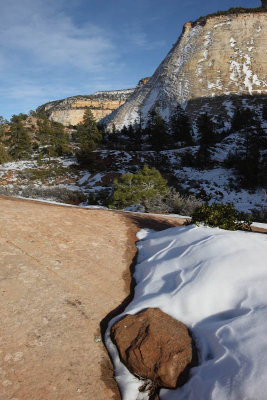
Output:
x,y
62,270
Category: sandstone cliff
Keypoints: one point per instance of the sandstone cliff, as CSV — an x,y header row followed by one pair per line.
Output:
x,y
70,111
215,60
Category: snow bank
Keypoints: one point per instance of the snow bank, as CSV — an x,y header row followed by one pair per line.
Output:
x,y
215,282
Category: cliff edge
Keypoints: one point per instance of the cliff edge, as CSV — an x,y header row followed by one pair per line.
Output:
x,y
217,57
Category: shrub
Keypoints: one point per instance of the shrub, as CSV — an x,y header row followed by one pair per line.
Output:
x,y
137,188
238,10
55,193
184,205
259,215
4,156
45,175
85,155
223,216
173,202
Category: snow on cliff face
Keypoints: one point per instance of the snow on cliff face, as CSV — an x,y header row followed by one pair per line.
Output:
x,y
225,56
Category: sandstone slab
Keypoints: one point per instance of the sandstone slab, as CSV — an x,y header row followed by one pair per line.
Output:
x,y
62,270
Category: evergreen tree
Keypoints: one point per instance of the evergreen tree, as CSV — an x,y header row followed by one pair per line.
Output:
x,y
87,132
53,136
264,112
59,139
136,188
157,131
4,156
243,119
19,140
131,136
180,127
205,128
249,160
3,124
44,129
113,139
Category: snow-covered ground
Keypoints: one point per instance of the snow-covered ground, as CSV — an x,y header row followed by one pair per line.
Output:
x,y
216,184
214,281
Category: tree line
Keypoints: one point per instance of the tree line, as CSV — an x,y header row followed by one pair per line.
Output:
x,y
20,138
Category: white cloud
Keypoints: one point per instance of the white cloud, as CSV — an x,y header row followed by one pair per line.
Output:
x,y
40,33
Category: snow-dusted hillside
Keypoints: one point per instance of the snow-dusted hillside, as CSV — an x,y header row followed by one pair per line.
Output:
x,y
213,61
58,179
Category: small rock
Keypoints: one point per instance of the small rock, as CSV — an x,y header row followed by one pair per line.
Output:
x,y
155,347
98,339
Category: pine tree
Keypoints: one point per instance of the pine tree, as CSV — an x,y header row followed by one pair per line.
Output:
x,y
44,129
131,136
249,160
87,132
4,156
264,112
243,119
52,135
205,128
136,188
3,124
157,131
59,139
180,127
20,145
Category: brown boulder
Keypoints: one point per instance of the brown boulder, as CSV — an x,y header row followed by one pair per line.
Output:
x,y
155,347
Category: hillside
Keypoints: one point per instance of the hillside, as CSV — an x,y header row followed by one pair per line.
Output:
x,y
218,63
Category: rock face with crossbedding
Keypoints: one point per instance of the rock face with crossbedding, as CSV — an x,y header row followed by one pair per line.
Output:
x,y
155,346
215,59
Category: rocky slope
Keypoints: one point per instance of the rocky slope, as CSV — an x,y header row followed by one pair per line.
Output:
x,y
70,111
217,63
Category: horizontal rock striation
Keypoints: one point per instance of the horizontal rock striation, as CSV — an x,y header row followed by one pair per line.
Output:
x,y
215,57
70,111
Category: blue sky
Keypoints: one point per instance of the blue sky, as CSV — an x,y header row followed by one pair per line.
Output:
x,y
53,49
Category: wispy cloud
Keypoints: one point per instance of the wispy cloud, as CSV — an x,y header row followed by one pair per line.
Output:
x,y
137,36
49,50
50,38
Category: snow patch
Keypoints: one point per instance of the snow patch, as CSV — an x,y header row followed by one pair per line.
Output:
x,y
214,281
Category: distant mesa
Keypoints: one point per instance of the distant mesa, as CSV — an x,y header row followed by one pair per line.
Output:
x,y
70,111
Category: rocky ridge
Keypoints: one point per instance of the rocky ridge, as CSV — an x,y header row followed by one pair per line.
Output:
x,y
217,63
70,111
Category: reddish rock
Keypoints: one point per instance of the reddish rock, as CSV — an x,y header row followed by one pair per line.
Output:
x,y
155,346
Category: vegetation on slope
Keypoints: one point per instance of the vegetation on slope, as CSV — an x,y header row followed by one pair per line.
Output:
x,y
237,10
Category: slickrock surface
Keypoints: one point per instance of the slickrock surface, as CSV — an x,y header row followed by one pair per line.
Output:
x,y
62,270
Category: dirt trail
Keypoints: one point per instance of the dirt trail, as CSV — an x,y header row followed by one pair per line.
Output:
x,y
62,270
